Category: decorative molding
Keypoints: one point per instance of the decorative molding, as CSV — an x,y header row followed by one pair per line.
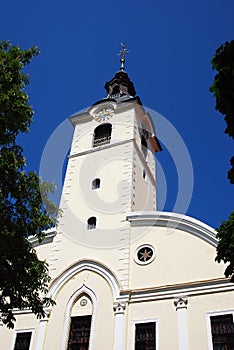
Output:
x,y
120,324
98,148
181,302
119,307
47,314
174,220
181,306
175,291
89,265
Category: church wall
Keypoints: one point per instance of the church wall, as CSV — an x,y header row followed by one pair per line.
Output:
x,y
44,251
122,128
108,204
144,197
180,257
198,309
163,313
24,322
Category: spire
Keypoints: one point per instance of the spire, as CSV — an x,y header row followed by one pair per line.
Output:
x,y
120,87
123,52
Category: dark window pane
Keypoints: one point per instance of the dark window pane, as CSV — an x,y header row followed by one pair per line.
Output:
x,y
222,329
102,135
23,341
145,338
144,145
96,183
79,333
91,223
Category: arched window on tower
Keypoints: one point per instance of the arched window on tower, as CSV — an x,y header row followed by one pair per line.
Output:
x,y
102,135
91,223
144,146
96,184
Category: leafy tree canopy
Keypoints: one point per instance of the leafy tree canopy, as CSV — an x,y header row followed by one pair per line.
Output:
x,y
225,250
25,207
223,91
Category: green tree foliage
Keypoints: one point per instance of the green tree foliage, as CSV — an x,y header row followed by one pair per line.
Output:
x,y
223,91
225,249
25,207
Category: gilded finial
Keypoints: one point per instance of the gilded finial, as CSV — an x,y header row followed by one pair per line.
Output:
x,y
123,52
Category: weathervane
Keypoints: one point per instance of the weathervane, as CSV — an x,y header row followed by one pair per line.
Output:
x,y
123,52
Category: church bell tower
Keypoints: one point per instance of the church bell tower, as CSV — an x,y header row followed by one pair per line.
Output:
x,y
111,171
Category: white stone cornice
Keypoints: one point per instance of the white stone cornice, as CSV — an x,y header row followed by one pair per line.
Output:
x,y
49,236
175,291
95,149
174,220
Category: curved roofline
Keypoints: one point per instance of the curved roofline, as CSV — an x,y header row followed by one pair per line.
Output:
x,y
176,221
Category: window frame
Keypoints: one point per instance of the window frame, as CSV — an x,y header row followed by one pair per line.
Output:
x,y
208,324
144,146
108,139
94,183
140,321
88,226
27,330
66,327
143,263
72,318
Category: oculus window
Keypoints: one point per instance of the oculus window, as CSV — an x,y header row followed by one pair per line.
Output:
x,y
144,254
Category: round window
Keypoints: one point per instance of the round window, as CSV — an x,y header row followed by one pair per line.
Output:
x,y
144,254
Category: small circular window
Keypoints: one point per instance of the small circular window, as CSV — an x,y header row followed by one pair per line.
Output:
x,y
144,254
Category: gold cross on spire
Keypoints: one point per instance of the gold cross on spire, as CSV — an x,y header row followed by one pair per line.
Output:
x,y
123,52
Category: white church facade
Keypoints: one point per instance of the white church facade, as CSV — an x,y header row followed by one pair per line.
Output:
x,y
125,276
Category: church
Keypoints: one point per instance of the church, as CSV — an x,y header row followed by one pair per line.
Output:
x,y
124,275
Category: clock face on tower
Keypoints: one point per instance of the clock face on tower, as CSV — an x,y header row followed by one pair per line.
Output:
x,y
104,114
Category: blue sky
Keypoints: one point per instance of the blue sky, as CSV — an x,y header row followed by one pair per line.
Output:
x,y
171,44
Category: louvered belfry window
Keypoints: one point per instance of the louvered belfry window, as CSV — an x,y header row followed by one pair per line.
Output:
x,y
102,135
22,341
79,333
222,329
145,337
